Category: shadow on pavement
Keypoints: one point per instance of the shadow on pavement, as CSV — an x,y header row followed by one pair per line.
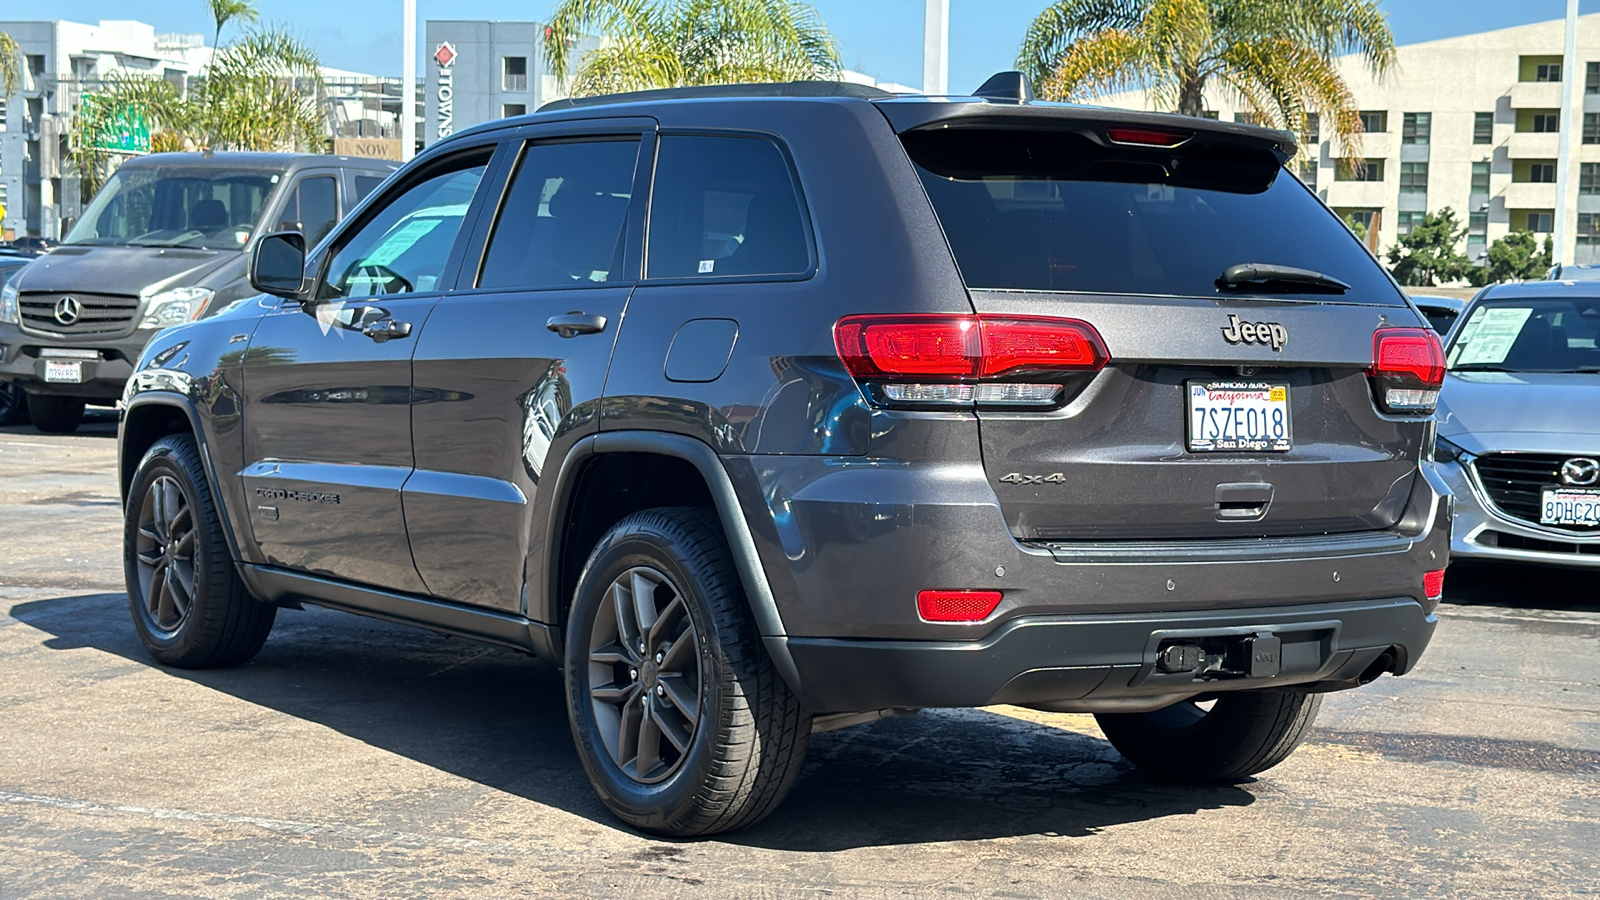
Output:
x,y
499,719
1476,582
98,422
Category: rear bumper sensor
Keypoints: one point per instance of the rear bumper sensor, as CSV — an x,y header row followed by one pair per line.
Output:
x,y
1243,501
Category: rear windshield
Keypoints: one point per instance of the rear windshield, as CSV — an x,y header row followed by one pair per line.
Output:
x,y
1053,211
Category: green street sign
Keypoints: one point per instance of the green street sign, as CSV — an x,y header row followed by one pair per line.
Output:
x,y
124,129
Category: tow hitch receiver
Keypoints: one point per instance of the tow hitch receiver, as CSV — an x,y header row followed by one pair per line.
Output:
x,y
1246,653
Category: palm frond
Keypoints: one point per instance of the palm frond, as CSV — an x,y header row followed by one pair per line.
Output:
x,y
627,21
1064,22
10,65
1107,61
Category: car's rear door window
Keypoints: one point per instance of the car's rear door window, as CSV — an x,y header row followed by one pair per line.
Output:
x,y
723,207
564,220
1047,210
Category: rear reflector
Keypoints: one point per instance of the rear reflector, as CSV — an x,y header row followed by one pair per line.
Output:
x,y
1433,584
1148,137
956,606
1407,369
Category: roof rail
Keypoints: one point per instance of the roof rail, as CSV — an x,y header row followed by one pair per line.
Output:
x,y
720,91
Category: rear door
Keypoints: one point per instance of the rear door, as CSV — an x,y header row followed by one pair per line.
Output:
x,y
1231,410
509,371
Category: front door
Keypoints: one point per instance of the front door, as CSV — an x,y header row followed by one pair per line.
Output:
x,y
328,386
509,370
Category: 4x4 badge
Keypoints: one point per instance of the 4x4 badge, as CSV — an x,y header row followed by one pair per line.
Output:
x,y
1239,332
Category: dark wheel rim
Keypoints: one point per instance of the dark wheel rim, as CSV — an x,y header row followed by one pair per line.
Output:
x,y
644,675
165,550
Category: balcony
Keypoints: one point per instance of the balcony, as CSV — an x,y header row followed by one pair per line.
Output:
x,y
1536,95
1373,146
1533,145
1364,194
1529,195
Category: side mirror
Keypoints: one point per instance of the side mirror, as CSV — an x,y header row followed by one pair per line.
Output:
x,y
278,265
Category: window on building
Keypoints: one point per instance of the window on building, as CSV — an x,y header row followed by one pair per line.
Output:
x,y
563,219
1591,128
1588,249
1359,170
1483,128
1547,122
1406,221
1478,222
1547,72
1542,173
1308,173
36,64
1589,178
1362,219
1591,78
1313,133
513,73
1374,121
1416,128
513,109
1413,178
1542,221
724,206
1480,178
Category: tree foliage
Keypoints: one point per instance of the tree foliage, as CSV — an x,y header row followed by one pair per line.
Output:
x,y
1276,56
1429,254
1516,257
10,66
674,43
225,11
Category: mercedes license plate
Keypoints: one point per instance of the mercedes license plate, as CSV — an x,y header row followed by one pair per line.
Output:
x,y
1234,416
1570,506
63,371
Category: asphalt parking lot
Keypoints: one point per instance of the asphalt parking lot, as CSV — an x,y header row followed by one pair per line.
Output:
x,y
354,757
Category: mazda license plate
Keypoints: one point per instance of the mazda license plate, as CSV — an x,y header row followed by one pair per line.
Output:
x,y
63,371
1235,416
1570,506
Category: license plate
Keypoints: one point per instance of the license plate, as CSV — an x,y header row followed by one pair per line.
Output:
x,y
1234,416
1566,506
57,371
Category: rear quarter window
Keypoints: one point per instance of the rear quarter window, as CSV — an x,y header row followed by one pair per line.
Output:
x,y
1054,211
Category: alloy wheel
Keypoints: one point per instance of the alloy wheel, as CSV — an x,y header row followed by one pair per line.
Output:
x,y
644,675
165,550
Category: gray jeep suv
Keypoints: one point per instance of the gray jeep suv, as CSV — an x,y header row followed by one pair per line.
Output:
x,y
765,410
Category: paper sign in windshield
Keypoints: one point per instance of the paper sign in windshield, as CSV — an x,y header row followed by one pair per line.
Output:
x,y
400,242
1487,339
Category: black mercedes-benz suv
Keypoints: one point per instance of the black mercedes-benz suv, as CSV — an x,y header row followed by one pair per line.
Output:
x,y
765,410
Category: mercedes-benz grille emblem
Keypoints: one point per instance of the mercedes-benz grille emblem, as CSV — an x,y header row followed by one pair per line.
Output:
x,y
1580,472
68,309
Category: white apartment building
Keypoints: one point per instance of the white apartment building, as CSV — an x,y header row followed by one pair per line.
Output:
x,y
1471,123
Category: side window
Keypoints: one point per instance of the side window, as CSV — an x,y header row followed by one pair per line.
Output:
x,y
565,217
405,246
314,208
724,206
366,184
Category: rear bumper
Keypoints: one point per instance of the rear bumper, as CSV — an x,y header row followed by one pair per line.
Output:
x,y
21,362
1482,531
1096,662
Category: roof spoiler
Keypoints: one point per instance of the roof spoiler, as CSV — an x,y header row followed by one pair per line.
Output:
x,y
1007,87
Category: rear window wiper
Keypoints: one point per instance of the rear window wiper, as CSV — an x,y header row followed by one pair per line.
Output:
x,y
1266,276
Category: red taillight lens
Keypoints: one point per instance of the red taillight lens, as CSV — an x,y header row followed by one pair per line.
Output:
x,y
956,606
1433,584
959,348
1407,369
1149,137
1013,345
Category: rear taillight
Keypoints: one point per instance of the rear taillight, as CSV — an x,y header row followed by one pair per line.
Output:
x,y
956,606
938,360
1407,369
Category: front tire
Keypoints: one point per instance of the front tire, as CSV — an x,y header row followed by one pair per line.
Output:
x,y
682,723
55,415
189,607
1244,733
13,404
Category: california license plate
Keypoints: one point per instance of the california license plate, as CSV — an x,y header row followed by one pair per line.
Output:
x,y
1569,506
63,371
1238,416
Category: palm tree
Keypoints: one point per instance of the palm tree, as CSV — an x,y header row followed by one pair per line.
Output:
x,y
672,43
10,72
1276,56
225,11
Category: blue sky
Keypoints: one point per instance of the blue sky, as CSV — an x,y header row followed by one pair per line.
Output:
x,y
880,37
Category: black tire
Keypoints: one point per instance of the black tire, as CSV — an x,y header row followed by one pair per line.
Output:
x,y
749,735
55,415
211,621
1244,733
13,404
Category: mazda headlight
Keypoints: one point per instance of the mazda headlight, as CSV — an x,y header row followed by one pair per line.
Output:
x,y
175,306
8,305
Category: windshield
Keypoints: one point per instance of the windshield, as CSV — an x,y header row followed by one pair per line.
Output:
x,y
1529,335
177,206
1053,211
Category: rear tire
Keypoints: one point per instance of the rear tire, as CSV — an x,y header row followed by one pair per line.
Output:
x,y
55,415
1244,733
697,734
189,607
13,404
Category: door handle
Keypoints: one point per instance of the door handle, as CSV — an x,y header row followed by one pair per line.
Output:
x,y
575,323
386,330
